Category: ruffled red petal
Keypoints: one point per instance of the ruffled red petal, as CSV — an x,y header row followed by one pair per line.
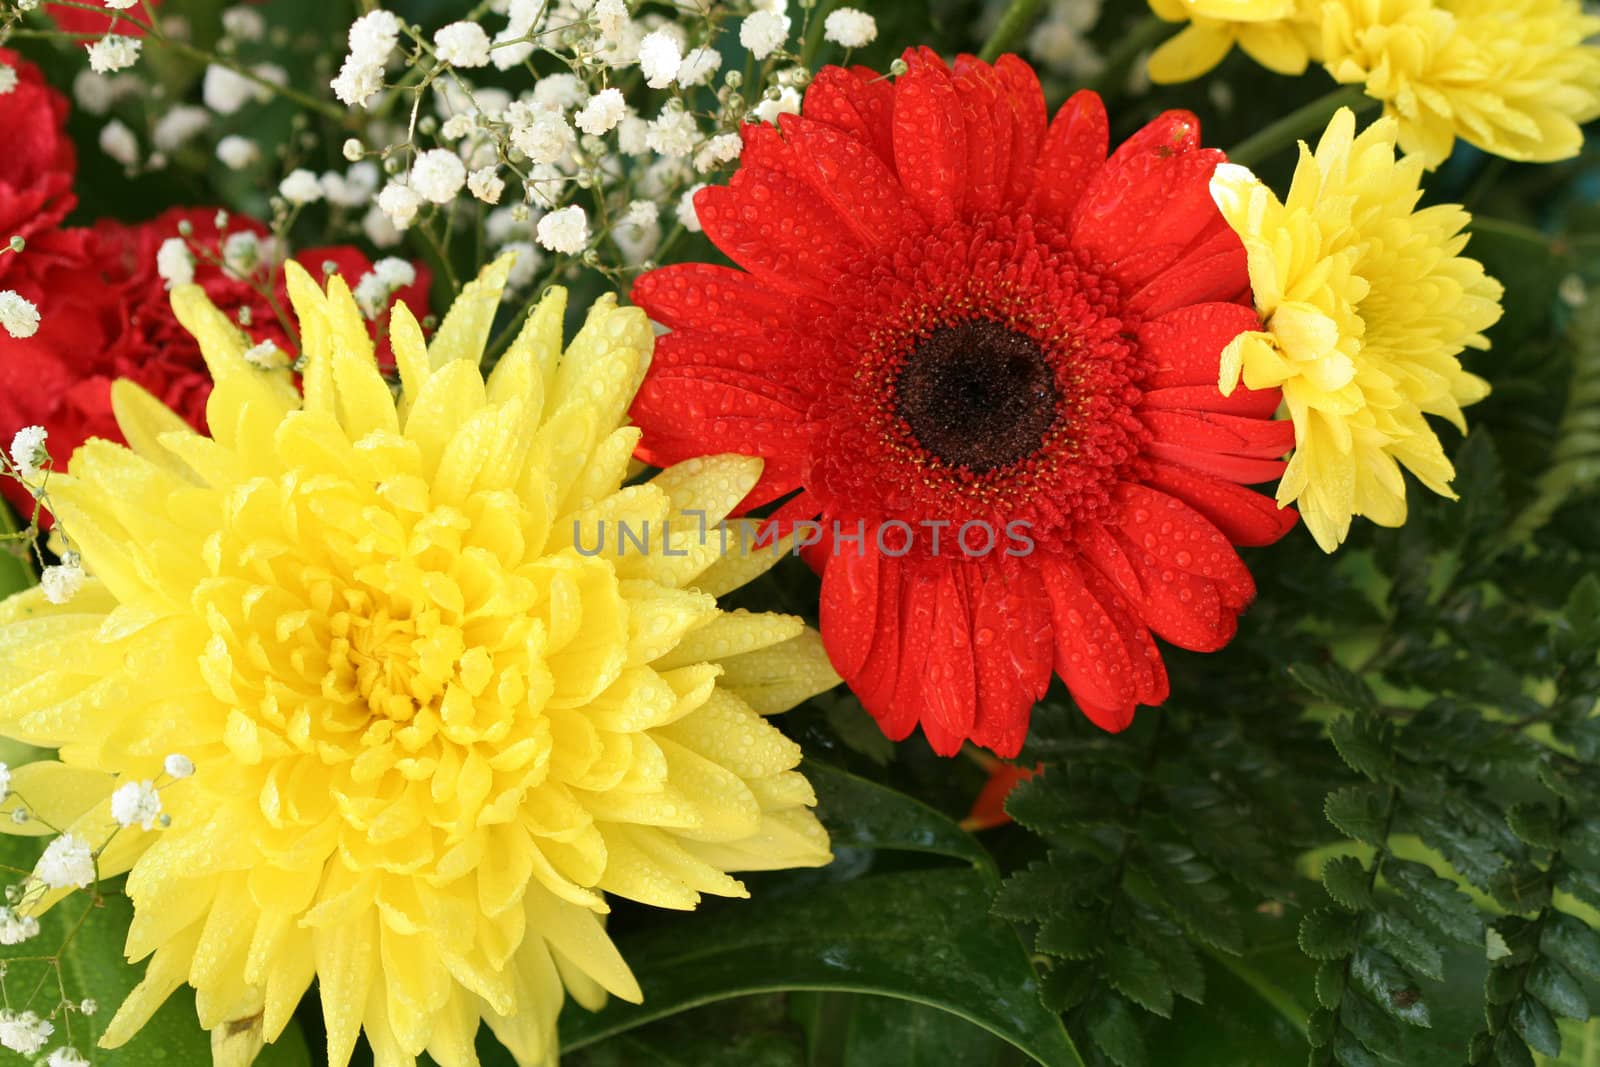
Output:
x,y
773,226
1184,344
1015,655
861,188
1073,153
930,139
1091,657
1245,517
859,102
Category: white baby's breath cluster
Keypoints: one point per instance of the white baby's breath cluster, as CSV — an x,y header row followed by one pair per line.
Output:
x,y
68,864
584,159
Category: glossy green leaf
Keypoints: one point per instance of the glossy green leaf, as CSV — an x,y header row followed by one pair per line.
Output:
x,y
863,814
924,936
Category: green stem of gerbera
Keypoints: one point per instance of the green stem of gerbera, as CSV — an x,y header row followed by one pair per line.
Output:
x,y
1018,17
1298,124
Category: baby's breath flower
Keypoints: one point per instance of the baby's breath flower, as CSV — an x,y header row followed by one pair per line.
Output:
x,y
119,5
486,184
633,135
236,152
241,252
113,52
602,113
850,28
18,315
15,929
28,451
243,23
300,188
177,765
25,1033
226,90
386,277
639,232
8,78
686,215
526,265
266,356
136,803
698,66
438,175
659,59
610,17
565,231
372,40
458,126
178,126
787,102
720,149
174,262
463,44
118,142
1572,291
62,581
352,150
763,32
66,1056
5,781
673,133
88,1007
399,203
67,862
521,18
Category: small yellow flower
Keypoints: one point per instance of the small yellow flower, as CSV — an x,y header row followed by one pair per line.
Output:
x,y
431,727
1281,35
1513,77
1367,304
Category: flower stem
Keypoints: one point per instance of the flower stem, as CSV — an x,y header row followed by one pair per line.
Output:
x,y
1297,124
1018,17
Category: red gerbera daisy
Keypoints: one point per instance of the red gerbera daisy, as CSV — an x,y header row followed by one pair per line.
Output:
x,y
994,350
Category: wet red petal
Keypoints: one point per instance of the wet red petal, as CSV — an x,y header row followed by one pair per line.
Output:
x,y
1244,516
1073,153
930,140
1186,344
859,186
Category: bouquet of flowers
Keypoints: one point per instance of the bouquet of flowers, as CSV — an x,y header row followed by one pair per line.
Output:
x,y
684,531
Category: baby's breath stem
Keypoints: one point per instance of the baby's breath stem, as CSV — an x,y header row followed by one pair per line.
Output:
x,y
1297,124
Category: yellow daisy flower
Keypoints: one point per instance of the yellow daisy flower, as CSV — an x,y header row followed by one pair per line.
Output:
x,y
1513,77
1281,35
1367,304
432,724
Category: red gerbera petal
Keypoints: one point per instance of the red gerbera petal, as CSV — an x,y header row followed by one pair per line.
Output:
x,y
958,322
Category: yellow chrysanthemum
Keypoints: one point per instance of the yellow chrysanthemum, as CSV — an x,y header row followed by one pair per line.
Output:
x,y
431,726
1367,304
1513,77
1281,35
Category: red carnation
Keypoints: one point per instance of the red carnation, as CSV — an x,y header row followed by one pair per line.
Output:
x,y
949,313
105,314
38,163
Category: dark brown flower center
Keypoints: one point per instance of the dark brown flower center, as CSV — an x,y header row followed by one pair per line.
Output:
x,y
977,395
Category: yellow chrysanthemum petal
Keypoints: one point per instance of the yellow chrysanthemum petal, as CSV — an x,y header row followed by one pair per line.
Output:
x,y
1281,35
1514,77
1367,305
433,725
